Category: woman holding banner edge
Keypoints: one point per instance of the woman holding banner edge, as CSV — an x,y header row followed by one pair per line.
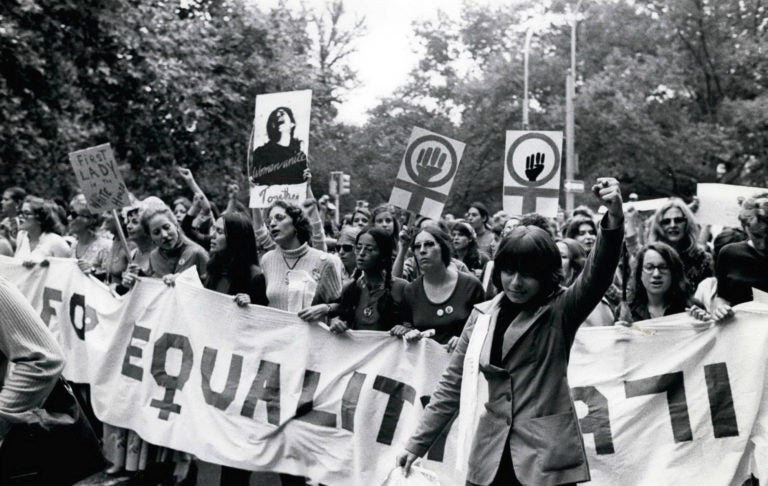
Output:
x,y
527,431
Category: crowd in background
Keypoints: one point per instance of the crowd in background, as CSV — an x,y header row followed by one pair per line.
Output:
x,y
381,269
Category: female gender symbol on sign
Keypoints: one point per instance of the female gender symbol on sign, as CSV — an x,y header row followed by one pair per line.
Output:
x,y
533,160
430,162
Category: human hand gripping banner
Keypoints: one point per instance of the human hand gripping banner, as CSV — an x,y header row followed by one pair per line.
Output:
x,y
532,164
668,402
426,174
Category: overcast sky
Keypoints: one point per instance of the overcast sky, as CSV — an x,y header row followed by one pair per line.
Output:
x,y
386,52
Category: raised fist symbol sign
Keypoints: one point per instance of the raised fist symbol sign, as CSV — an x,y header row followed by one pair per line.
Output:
x,y
534,165
430,162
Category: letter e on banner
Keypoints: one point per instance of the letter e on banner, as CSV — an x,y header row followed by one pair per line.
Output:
x,y
532,165
426,173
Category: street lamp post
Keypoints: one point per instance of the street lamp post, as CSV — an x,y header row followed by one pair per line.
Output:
x,y
570,93
526,48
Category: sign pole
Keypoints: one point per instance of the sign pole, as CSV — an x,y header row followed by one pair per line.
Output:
x,y
120,233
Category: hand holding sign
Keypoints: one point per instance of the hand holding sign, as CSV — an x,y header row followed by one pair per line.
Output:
x,y
430,162
534,166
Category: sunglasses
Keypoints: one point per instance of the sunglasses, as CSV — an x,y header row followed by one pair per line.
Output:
x,y
347,248
27,214
668,221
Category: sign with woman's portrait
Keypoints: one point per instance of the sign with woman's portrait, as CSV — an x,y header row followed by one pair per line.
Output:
x,y
277,154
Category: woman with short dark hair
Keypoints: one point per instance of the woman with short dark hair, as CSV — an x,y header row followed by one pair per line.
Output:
x,y
466,249
442,297
527,432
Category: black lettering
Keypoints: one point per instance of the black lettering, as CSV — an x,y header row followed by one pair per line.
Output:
x,y
721,400
88,317
50,295
597,421
674,386
398,393
171,383
132,370
305,410
266,386
223,399
349,401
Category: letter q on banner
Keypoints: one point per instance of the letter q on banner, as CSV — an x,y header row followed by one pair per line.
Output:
x,y
426,173
532,172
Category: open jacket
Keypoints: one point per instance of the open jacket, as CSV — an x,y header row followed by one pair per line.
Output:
x,y
529,400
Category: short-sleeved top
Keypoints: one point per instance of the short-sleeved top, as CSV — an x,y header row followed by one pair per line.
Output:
x,y
363,313
185,255
446,318
740,267
96,253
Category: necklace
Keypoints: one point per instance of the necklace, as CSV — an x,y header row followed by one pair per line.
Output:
x,y
290,267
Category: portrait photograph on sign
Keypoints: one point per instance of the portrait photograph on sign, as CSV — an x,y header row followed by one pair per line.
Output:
x,y
280,139
427,172
532,165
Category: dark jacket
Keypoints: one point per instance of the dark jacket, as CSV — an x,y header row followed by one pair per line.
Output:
x,y
529,400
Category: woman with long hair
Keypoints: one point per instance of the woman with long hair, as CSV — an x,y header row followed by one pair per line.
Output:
x,y
370,301
674,224
465,248
582,229
361,217
527,432
233,268
477,217
40,232
660,286
383,217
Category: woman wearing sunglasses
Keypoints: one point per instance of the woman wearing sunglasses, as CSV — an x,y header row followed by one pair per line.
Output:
x,y
345,248
675,225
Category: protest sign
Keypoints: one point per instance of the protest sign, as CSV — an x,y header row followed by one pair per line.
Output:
x,y
99,178
426,173
278,148
646,205
719,204
675,402
532,172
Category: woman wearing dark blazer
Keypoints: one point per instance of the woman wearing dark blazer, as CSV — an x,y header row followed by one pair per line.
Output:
x,y
527,431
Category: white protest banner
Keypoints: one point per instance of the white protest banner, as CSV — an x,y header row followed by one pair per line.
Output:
x,y
278,148
675,403
426,174
719,204
99,178
532,172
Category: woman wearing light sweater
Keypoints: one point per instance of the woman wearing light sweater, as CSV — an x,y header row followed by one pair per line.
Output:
x,y
299,278
37,359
